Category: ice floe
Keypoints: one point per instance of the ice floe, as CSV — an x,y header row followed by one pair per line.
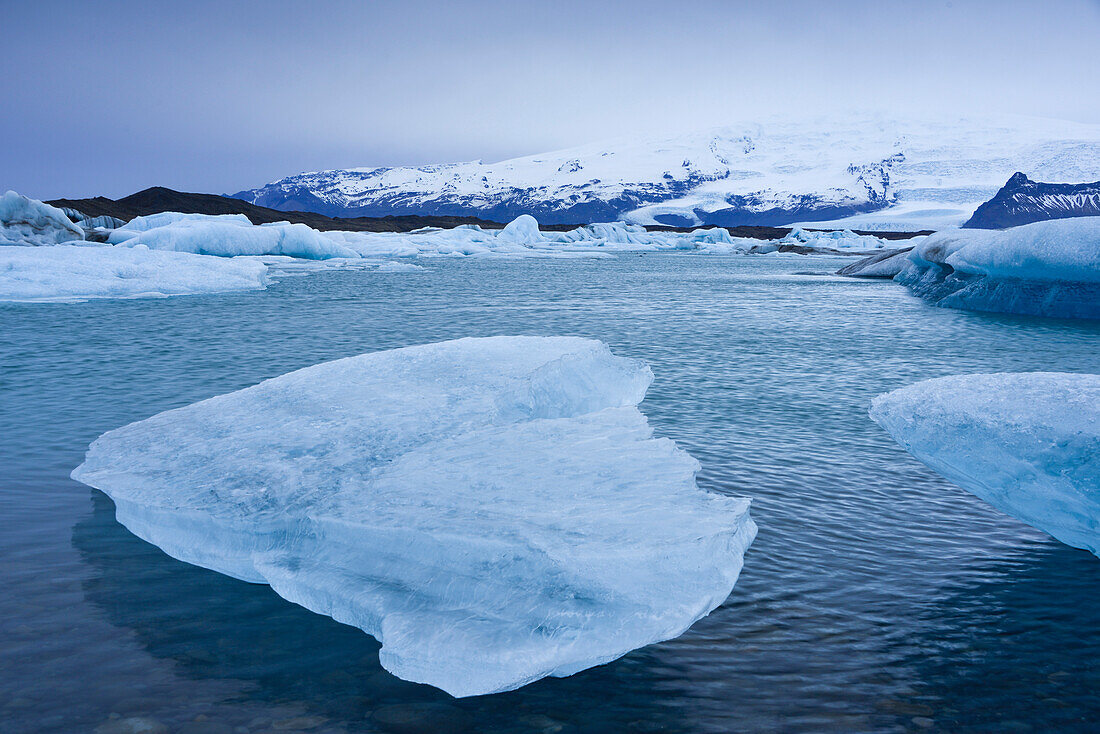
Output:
x,y
82,272
1026,443
492,510
397,267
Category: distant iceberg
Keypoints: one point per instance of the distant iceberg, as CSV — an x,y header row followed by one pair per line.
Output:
x,y
492,510
1026,443
1043,269
84,271
227,235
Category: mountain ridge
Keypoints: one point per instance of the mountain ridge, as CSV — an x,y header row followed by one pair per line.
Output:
x,y
158,199
1023,201
774,174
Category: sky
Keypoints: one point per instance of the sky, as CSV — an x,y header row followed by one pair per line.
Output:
x,y
110,97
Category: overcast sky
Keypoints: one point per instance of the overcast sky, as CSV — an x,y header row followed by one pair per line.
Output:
x,y
109,97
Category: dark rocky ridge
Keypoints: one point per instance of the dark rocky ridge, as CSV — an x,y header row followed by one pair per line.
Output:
x,y
1023,201
159,199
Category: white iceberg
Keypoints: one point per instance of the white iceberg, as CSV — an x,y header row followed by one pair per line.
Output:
x,y
1047,268
26,221
839,240
82,272
523,230
227,235
1026,443
492,510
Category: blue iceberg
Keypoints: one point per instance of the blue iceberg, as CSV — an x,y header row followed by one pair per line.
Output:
x,y
1043,269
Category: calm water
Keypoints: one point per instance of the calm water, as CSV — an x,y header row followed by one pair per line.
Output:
x,y
878,597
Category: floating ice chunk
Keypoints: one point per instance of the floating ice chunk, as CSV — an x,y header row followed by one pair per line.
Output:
x,y
840,240
228,235
80,272
1026,443
26,221
882,265
164,219
1043,269
396,267
523,230
492,510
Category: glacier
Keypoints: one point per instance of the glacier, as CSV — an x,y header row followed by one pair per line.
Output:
x,y
25,221
1026,443
492,510
84,271
1047,268
863,171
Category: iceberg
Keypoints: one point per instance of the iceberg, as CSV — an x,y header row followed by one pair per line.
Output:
x,y
227,235
26,221
845,241
84,271
1047,268
492,510
1026,443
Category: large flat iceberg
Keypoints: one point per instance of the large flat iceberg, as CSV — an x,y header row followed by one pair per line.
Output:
x,y
82,272
1026,443
1043,269
492,510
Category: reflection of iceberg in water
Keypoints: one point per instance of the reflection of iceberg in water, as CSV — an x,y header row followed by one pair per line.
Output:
x,y
998,652
214,627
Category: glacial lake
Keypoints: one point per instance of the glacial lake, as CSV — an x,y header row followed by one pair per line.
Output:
x,y
877,596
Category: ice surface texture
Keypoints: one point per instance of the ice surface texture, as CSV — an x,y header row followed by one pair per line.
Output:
x,y
1043,269
26,221
492,510
1026,443
81,272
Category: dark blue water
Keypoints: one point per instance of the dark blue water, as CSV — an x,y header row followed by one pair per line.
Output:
x,y
877,597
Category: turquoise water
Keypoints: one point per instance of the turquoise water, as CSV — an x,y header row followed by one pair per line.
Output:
x,y
877,597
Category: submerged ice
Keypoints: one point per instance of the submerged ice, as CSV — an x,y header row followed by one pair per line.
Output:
x,y
492,510
1026,443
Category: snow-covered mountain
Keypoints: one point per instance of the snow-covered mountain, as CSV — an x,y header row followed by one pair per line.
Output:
x,y
1022,201
862,171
